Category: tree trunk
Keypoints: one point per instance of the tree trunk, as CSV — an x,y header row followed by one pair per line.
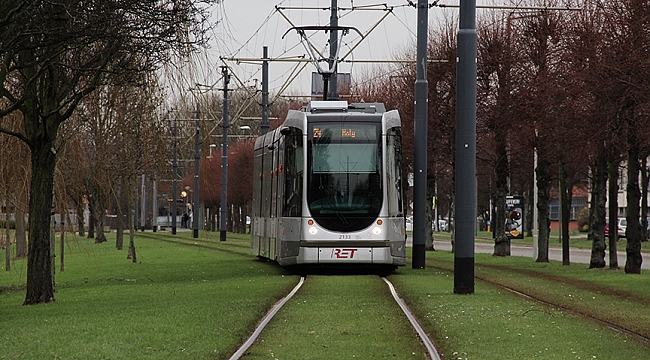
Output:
x,y
119,231
644,198
80,218
122,203
91,222
97,215
214,220
633,230
566,208
597,211
528,213
40,286
501,240
21,238
7,242
543,187
428,231
132,212
612,198
62,248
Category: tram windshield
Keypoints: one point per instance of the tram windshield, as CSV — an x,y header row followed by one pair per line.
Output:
x,y
344,190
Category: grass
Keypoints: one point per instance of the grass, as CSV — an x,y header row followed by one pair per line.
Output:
x,y
576,240
493,324
201,298
339,317
178,301
606,294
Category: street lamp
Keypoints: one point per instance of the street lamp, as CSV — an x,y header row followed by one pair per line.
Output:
x,y
211,147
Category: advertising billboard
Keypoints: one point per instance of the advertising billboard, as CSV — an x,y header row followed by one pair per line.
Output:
x,y
515,217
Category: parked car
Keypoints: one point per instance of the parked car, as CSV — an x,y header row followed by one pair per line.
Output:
x,y
409,223
443,225
622,225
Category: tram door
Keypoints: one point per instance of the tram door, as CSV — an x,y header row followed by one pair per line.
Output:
x,y
276,192
267,195
256,224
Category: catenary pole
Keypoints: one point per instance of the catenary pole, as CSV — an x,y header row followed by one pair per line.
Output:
x,y
174,184
265,91
154,205
224,158
420,139
465,208
197,160
143,205
334,34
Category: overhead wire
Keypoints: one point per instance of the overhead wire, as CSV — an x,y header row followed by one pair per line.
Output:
x,y
229,41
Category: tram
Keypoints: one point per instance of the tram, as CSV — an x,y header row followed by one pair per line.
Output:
x,y
327,187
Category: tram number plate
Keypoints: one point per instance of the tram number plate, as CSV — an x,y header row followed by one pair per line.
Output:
x,y
343,253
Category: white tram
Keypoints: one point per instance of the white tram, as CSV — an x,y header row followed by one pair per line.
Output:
x,y
327,187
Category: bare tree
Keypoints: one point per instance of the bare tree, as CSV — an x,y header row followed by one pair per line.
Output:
x,y
56,53
495,93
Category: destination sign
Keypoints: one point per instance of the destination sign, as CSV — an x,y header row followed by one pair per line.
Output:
x,y
345,131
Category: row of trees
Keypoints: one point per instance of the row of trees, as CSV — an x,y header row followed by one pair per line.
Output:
x,y
54,55
79,94
570,86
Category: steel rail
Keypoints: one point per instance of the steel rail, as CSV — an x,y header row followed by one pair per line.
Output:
x,y
615,327
640,337
428,344
260,327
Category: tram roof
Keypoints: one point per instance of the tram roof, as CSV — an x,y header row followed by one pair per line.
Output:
x,y
343,106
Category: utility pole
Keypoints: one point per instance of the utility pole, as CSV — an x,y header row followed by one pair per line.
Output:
x,y
420,140
154,203
465,209
334,34
197,160
174,185
535,211
224,157
143,215
265,92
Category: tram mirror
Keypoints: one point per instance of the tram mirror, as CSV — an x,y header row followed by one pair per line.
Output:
x,y
285,131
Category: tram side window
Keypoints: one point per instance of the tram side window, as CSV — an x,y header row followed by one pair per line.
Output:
x,y
293,172
267,166
394,171
257,184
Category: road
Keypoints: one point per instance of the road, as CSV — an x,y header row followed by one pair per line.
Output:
x,y
554,253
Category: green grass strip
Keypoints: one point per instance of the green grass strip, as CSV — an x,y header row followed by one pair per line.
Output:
x,y
611,296
339,317
200,298
496,324
577,240
177,302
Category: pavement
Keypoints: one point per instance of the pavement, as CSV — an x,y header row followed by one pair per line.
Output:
x,y
554,252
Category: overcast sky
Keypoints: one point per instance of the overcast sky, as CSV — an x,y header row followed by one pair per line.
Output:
x,y
245,26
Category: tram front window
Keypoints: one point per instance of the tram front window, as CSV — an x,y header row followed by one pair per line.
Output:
x,y
344,185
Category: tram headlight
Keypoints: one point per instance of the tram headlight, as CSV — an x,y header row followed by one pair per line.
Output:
x,y
313,230
377,229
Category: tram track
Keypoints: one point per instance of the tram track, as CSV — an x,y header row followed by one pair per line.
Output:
x,y
265,321
230,248
427,343
527,295
644,338
611,325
